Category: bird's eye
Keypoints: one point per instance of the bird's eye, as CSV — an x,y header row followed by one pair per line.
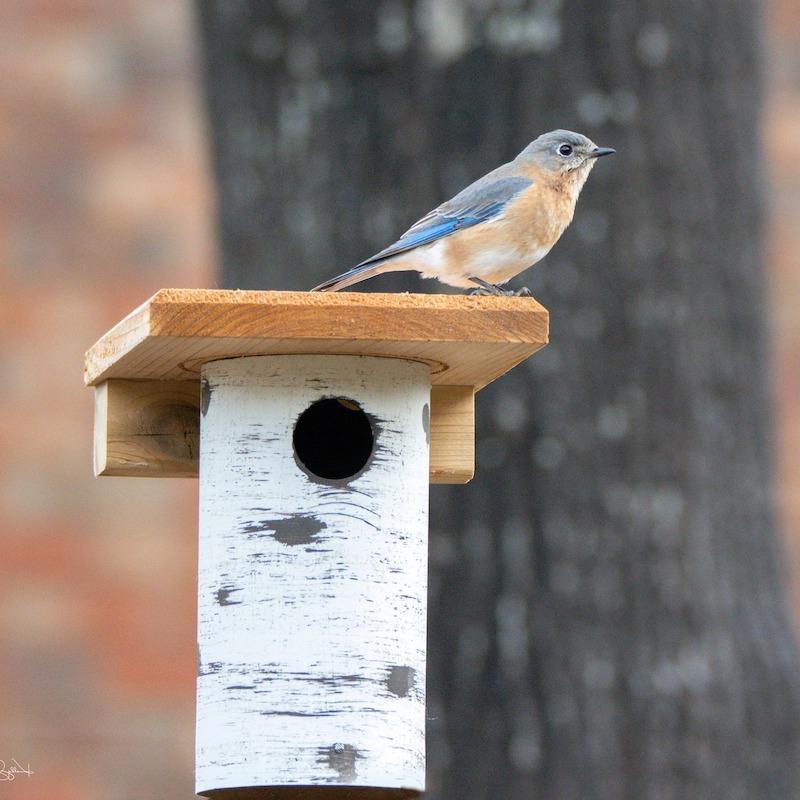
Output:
x,y
565,149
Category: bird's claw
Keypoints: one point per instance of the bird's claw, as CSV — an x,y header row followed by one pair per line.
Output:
x,y
486,289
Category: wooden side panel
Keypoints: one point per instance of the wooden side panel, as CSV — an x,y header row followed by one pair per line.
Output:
x,y
150,429
452,434
147,429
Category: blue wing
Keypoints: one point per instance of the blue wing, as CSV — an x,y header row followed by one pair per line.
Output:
x,y
479,202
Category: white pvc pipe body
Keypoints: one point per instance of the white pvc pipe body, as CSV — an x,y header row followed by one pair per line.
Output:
x,y
312,592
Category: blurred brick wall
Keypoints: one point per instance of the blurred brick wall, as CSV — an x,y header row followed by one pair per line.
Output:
x,y
782,139
105,197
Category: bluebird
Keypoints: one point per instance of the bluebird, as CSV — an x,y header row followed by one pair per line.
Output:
x,y
498,226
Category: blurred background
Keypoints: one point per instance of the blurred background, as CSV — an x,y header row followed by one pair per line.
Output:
x,y
108,194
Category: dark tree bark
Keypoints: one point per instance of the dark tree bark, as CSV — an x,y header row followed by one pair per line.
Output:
x,y
607,612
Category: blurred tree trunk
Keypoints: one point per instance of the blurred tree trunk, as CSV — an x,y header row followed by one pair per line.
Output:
x,y
607,611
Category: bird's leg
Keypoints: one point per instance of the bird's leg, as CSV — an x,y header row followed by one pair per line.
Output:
x,y
486,288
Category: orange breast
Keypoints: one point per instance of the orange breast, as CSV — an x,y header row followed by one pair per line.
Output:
x,y
541,214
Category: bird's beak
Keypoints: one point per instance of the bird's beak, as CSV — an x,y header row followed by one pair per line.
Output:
x,y
601,151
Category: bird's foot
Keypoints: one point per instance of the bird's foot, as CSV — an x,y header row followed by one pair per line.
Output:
x,y
486,288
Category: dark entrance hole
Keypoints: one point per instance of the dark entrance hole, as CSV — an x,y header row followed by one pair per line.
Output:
x,y
333,438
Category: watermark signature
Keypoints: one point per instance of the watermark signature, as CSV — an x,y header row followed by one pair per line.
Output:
x,y
10,769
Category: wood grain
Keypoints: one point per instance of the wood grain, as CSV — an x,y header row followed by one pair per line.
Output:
x,y
147,429
466,341
452,434
150,429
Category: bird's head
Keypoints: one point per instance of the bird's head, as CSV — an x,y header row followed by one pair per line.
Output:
x,y
564,152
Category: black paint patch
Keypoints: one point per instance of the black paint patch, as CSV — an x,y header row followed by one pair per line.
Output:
x,y
355,516
240,686
223,596
210,668
205,396
256,437
338,681
297,530
298,713
342,759
426,422
401,680
255,434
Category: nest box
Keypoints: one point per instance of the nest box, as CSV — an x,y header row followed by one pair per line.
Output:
x,y
315,423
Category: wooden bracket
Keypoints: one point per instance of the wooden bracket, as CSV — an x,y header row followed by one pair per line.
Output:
x,y
147,429
151,429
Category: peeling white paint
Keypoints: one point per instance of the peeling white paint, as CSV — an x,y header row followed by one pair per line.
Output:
x,y
311,595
